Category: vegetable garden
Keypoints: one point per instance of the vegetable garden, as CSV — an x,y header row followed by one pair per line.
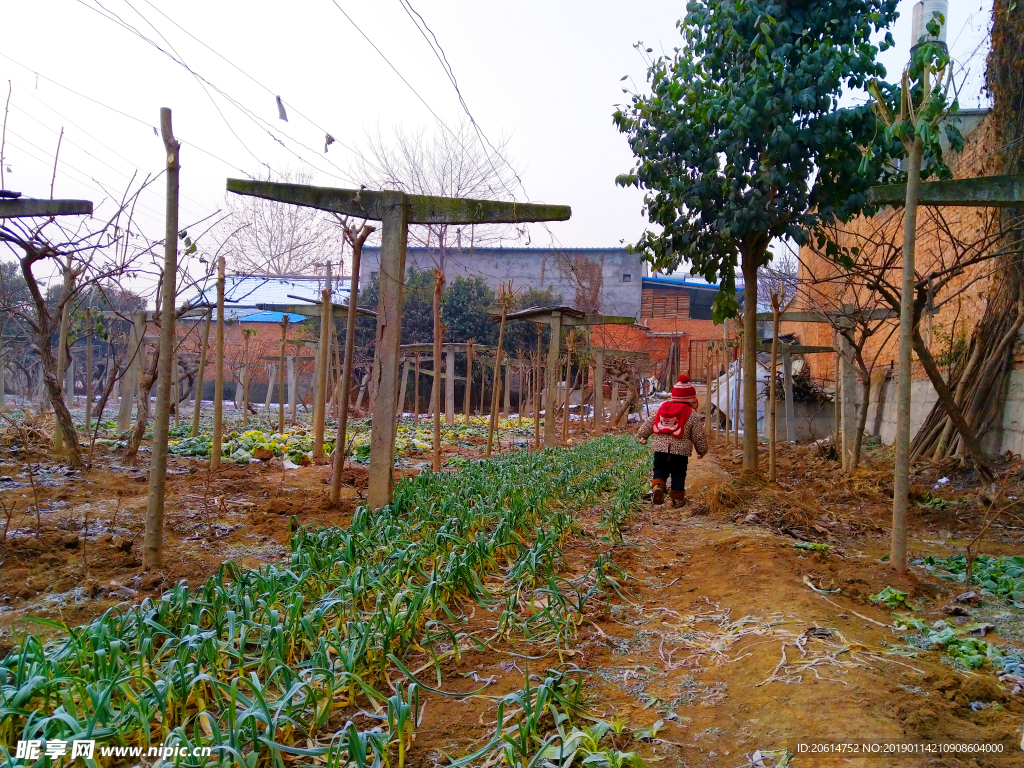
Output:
x,y
271,666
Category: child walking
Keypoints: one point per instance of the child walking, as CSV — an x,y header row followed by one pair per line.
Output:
x,y
674,431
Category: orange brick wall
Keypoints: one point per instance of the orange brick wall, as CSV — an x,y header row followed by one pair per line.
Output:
x,y
956,317
265,343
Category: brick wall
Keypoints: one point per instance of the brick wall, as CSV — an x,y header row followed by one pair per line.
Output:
x,y
966,295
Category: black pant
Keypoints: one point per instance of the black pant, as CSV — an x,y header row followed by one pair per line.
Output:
x,y
666,464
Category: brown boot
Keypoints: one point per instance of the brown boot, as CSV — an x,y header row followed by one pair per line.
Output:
x,y
678,498
658,490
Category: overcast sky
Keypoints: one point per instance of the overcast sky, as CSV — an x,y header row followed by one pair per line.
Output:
x,y
546,74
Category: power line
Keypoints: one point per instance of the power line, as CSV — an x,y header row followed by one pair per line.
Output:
x,y
203,81
123,114
439,54
230,63
70,141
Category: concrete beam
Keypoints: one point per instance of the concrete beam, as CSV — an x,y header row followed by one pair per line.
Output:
x,y
21,209
423,209
340,311
980,192
795,349
827,317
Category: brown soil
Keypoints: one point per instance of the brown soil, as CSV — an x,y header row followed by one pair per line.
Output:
x,y
720,635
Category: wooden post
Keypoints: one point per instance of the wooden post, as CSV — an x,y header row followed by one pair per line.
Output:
x,y
504,296
280,375
201,373
550,401
435,387
449,386
152,551
323,360
218,372
787,374
599,392
615,402
387,352
88,370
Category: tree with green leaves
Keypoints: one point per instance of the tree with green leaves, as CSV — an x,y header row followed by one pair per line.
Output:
x,y
741,141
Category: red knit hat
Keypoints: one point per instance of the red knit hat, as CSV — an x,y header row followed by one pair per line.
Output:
x,y
683,391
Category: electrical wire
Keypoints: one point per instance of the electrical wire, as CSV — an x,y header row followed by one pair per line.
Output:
x,y
124,114
254,117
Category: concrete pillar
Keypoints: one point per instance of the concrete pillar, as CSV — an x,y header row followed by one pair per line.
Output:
x,y
404,388
550,398
133,362
449,387
387,351
271,375
848,408
787,374
292,386
508,390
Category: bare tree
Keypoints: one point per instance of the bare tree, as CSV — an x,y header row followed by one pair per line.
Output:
x,y
450,162
264,237
964,260
83,254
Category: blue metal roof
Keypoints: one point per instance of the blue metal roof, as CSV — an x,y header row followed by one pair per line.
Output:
x,y
684,283
242,293
270,317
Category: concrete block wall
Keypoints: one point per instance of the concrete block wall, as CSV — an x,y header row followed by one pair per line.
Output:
x,y
578,274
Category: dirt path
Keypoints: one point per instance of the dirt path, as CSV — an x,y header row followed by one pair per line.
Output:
x,y
717,608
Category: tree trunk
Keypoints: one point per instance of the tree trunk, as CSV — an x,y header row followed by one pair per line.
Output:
x,y
750,264
60,408
901,472
146,381
152,549
967,433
